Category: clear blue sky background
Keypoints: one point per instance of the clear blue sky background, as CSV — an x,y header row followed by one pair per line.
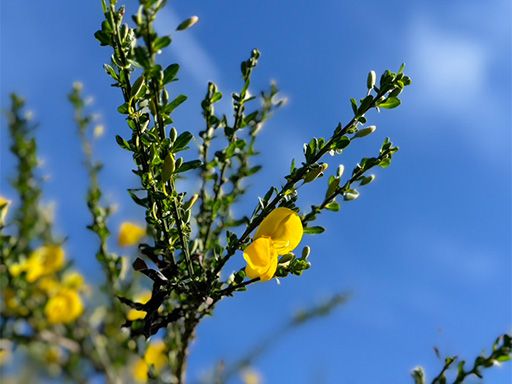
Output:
x,y
426,250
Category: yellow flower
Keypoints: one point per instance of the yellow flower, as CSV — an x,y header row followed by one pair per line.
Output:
x,y
156,356
130,234
134,314
73,280
63,307
48,284
278,234
42,261
4,208
140,371
250,376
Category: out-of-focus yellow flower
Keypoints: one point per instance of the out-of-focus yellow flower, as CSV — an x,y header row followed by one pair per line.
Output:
x,y
134,314
156,356
130,234
4,208
140,371
278,234
73,280
48,284
42,261
63,307
250,376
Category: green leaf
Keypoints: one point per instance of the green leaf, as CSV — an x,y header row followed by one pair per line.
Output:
x,y
170,73
138,200
385,163
182,141
123,143
333,206
137,87
187,165
390,103
123,109
161,43
367,180
313,230
110,71
103,38
174,104
353,103
341,143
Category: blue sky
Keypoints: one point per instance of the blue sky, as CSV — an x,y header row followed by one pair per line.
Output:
x,y
425,251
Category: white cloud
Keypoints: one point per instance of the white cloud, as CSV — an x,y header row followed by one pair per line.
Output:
x,y
451,67
452,89
188,52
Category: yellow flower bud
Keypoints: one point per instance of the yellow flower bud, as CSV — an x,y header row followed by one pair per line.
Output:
x,y
130,234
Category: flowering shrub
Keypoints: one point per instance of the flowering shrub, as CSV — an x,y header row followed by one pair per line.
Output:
x,y
121,330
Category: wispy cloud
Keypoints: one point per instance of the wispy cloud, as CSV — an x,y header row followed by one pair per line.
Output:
x,y
193,58
452,70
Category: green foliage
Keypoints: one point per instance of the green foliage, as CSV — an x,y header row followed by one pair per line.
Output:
x,y
501,352
191,235
188,266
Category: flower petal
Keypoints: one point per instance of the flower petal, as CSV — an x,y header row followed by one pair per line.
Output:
x,y
261,258
284,227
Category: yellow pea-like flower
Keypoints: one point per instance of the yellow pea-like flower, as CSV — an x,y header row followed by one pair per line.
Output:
x,y
134,314
278,234
156,356
64,307
130,234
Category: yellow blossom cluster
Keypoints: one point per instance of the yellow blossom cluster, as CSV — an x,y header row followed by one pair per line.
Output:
x,y
62,292
278,234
